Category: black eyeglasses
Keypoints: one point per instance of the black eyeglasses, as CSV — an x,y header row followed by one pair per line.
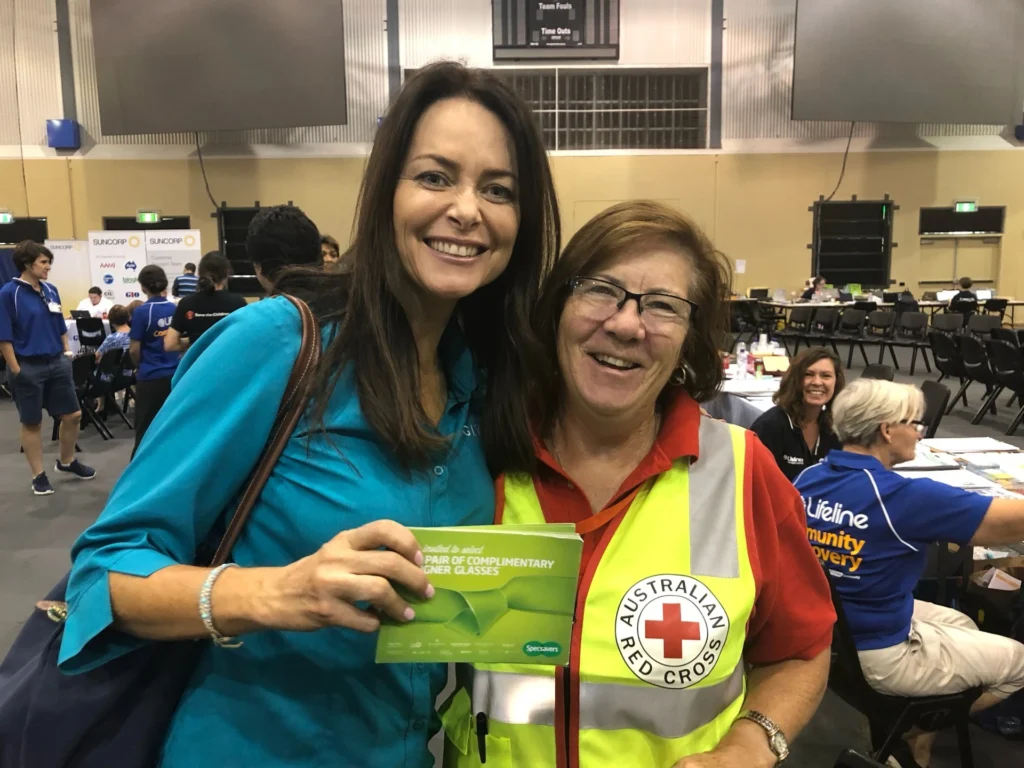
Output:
x,y
658,311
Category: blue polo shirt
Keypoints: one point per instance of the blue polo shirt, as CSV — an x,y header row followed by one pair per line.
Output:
x,y
32,320
872,527
284,699
149,326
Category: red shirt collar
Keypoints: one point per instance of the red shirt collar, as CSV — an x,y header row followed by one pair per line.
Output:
x,y
678,437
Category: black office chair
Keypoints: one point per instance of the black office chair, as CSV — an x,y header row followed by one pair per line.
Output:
x,y
911,332
1008,367
936,398
91,333
982,325
851,329
975,357
1009,335
996,308
797,328
949,361
948,323
877,371
823,328
889,717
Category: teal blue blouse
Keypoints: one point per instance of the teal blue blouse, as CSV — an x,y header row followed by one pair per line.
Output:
x,y
283,698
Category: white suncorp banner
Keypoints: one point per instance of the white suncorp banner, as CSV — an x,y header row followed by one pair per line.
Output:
x,y
115,259
172,249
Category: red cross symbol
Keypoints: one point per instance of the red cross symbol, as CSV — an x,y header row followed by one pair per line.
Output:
x,y
672,630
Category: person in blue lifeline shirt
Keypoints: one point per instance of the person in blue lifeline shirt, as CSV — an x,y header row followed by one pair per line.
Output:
x,y
154,365
871,527
34,344
419,394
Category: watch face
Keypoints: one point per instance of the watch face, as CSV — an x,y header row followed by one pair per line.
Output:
x,y
779,745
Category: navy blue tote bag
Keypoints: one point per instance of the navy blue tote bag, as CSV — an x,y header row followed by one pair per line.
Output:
x,y
116,716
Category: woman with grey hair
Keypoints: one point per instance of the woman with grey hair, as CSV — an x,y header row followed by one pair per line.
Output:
x,y
871,527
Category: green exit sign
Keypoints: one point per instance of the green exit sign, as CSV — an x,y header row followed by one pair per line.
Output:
x,y
965,206
148,217
6,217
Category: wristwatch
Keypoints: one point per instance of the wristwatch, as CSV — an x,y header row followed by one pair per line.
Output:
x,y
776,738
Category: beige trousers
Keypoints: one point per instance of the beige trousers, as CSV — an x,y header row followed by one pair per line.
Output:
x,y
945,653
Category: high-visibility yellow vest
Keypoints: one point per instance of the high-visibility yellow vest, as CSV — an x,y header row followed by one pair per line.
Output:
x,y
656,670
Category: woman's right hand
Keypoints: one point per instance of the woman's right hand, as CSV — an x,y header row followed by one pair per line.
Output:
x,y
321,590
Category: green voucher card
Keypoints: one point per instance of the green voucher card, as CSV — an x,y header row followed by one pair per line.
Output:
x,y
503,594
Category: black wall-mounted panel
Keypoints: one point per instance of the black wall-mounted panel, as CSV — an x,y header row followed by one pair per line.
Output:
x,y
25,228
987,220
129,223
852,242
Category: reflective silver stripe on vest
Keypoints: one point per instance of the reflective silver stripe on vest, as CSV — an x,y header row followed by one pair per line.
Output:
x,y
668,713
713,547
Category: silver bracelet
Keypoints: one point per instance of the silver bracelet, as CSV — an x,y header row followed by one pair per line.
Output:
x,y
206,609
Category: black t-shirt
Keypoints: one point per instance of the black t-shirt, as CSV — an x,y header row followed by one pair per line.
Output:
x,y
808,294
786,442
197,312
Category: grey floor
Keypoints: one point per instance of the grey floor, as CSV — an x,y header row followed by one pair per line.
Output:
x,y
35,534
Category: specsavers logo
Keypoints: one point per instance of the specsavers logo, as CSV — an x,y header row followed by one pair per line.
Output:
x,y
134,242
670,630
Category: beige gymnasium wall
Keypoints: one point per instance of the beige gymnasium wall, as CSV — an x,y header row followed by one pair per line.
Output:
x,y
753,205
752,196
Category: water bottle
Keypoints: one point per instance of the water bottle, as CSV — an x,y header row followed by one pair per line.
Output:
x,y
741,361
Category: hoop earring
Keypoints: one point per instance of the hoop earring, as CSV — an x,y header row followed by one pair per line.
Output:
x,y
678,377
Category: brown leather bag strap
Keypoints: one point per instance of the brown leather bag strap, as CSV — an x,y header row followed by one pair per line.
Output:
x,y
293,404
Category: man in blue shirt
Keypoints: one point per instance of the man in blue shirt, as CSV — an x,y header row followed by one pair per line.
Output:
x,y
34,344
871,528
187,283
155,365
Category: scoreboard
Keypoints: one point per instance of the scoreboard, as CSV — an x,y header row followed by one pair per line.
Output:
x,y
556,29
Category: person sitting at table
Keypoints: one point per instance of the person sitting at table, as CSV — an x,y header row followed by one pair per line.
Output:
x,y
798,430
965,301
872,528
95,304
120,327
810,291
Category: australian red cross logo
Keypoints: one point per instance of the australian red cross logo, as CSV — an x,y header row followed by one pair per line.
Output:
x,y
670,630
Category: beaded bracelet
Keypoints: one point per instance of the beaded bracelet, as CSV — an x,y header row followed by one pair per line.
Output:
x,y
206,609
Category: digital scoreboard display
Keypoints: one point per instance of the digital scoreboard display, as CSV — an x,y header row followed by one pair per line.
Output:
x,y
556,29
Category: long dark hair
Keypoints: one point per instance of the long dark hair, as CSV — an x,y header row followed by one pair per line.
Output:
x,y
373,332
790,396
605,236
213,269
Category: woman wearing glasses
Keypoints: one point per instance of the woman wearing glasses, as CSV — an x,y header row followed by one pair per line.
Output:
x,y
872,528
695,559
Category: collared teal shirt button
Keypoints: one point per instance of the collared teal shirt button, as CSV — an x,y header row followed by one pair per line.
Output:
x,y
438,470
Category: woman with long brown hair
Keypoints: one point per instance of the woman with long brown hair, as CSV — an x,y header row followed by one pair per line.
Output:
x,y
427,349
798,430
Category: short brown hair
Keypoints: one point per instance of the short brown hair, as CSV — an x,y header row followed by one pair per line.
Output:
x,y
602,238
119,315
26,252
966,283
331,243
132,307
790,396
